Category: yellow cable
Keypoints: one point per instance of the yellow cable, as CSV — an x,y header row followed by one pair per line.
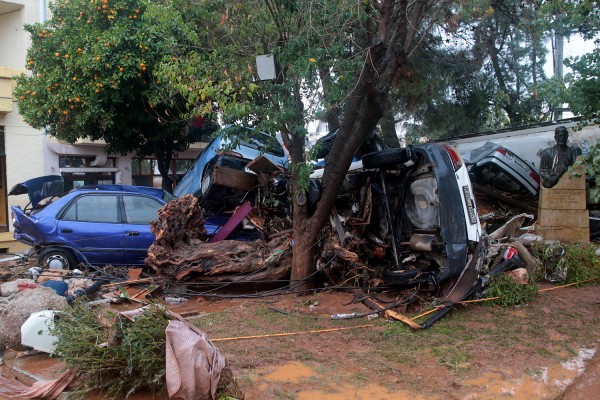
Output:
x,y
497,297
291,333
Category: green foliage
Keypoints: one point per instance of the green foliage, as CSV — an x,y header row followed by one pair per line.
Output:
x,y
582,263
581,87
570,263
483,73
591,167
570,16
305,37
584,85
301,173
510,293
133,360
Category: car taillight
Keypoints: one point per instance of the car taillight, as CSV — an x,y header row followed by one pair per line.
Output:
x,y
501,150
535,176
457,160
510,253
229,153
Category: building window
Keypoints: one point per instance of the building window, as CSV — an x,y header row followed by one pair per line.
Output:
x,y
82,162
74,178
145,172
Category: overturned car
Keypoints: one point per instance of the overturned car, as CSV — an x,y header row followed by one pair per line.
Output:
x,y
499,167
422,211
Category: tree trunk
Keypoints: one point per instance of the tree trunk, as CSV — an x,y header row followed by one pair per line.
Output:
x,y
303,257
388,126
163,151
394,30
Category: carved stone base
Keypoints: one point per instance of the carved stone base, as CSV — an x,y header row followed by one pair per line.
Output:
x,y
562,213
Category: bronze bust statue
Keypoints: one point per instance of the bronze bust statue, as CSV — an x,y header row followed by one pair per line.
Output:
x,y
557,160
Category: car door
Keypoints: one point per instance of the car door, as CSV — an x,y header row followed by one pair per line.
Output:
x,y
91,224
138,211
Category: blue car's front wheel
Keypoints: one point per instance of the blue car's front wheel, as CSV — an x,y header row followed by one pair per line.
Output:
x,y
56,258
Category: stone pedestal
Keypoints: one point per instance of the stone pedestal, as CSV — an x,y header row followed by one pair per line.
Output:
x,y
562,213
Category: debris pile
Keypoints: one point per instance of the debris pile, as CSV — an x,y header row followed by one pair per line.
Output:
x,y
22,305
180,253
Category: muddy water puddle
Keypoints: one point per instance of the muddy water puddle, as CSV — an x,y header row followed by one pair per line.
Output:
x,y
542,383
545,383
337,388
291,372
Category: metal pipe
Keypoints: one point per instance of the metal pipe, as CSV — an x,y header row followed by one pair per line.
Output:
x,y
389,218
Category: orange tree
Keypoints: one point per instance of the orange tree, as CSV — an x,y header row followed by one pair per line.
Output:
x,y
92,77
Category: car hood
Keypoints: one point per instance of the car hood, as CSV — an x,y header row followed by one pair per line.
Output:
x,y
40,188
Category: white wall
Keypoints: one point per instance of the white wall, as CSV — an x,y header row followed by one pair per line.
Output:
x,y
24,156
24,145
528,143
14,41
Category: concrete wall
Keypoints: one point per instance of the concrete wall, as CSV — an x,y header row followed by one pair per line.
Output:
x,y
24,152
14,41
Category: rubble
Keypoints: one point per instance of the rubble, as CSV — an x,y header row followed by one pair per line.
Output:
x,y
519,275
19,309
12,287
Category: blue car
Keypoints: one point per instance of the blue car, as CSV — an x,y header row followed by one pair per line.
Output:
x,y
230,150
95,225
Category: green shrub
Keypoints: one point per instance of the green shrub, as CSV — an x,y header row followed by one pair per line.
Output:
x,y
569,263
133,360
510,293
582,263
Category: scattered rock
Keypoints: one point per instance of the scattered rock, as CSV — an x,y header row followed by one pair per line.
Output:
x,y
12,287
520,276
21,307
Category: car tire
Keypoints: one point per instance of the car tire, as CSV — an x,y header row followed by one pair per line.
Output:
x,y
56,258
206,183
208,191
388,157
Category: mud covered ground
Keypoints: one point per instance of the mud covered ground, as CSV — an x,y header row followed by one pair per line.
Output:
x,y
543,350
537,351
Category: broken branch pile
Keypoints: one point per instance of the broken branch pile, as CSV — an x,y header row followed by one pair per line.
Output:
x,y
179,251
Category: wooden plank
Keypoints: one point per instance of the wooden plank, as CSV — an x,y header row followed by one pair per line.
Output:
x,y
262,164
233,178
232,222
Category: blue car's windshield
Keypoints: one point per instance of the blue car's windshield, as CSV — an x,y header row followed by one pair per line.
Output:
x,y
255,140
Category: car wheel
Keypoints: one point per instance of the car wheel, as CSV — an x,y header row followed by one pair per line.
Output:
x,y
55,258
206,183
208,192
388,158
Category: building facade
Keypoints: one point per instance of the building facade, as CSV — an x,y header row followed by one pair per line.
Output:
x,y
27,153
